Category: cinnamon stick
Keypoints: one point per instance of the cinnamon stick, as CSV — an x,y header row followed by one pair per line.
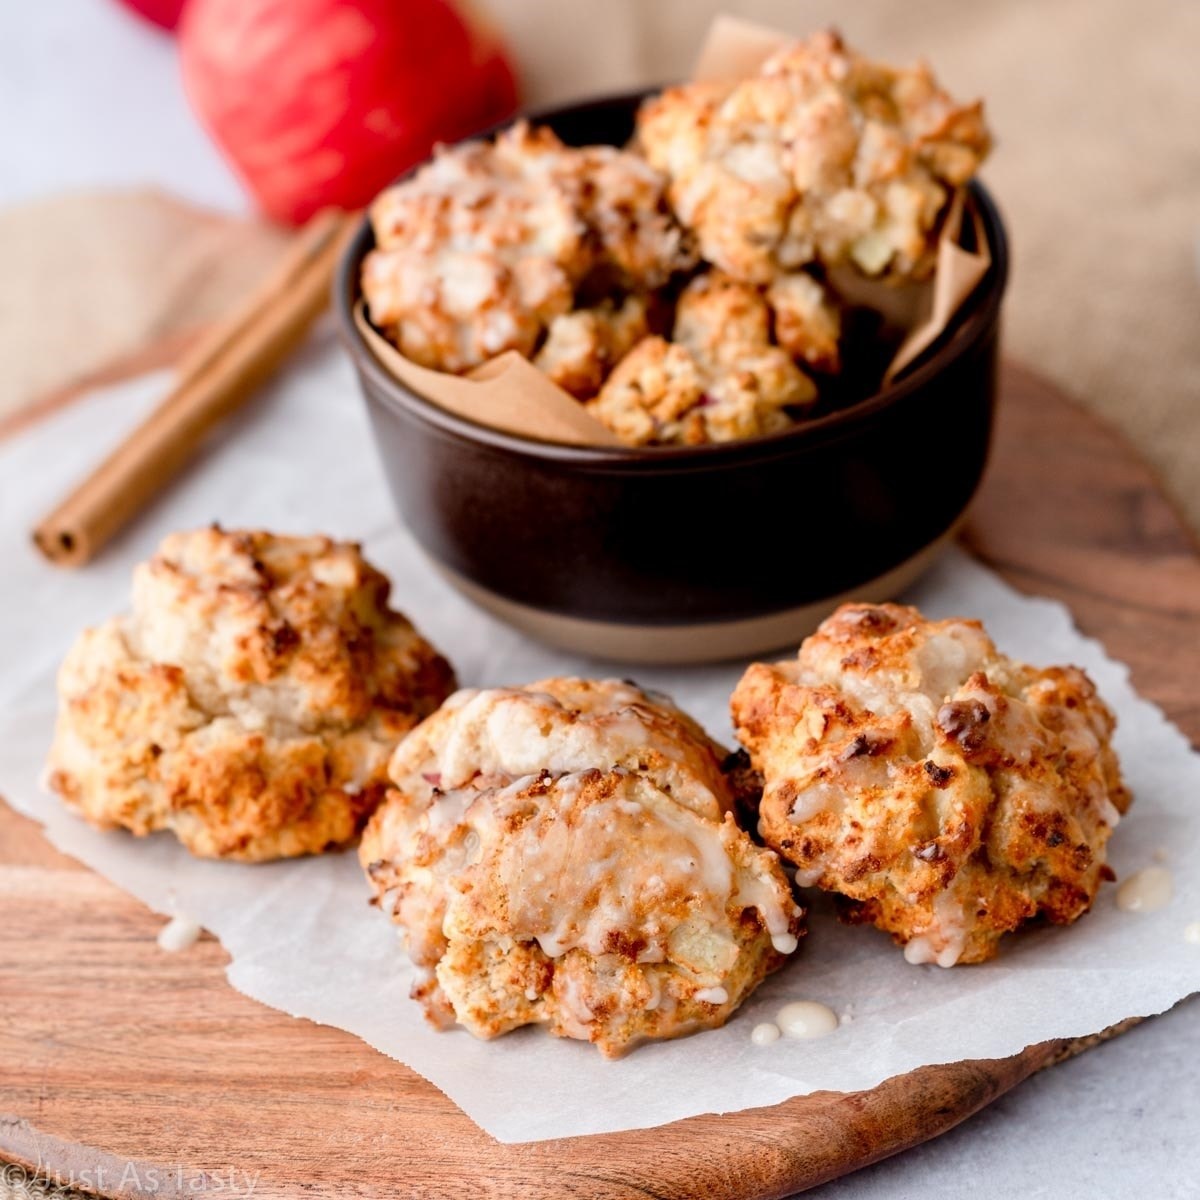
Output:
x,y
215,378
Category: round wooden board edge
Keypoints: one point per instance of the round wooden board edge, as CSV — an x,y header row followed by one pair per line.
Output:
x,y
950,1093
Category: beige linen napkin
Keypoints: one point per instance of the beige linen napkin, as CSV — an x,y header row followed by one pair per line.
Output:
x,y
98,286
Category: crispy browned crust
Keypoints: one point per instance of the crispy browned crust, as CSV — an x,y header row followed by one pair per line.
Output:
x,y
948,792
563,854
249,703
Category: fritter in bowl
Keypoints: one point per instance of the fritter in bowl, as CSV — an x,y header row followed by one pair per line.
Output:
x,y
564,854
822,157
250,701
949,793
483,248
581,347
720,379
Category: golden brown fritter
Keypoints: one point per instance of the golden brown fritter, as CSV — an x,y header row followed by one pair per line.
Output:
x,y
563,854
479,251
726,326
582,346
721,377
656,396
823,156
949,792
807,324
249,703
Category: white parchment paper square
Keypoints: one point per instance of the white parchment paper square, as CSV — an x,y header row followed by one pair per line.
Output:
x,y
302,938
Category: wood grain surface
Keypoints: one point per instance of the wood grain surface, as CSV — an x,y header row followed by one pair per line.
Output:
x,y
129,1072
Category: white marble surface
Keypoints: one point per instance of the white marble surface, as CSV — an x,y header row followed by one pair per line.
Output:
x,y
92,97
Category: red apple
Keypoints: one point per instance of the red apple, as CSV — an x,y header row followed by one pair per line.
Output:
x,y
321,103
165,13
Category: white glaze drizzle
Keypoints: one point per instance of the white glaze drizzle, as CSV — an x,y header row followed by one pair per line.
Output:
x,y
946,937
1147,891
806,1019
178,933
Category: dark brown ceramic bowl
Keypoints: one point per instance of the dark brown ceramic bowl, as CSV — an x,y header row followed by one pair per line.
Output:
x,y
688,554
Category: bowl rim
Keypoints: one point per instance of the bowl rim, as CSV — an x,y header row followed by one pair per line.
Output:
x,y
971,324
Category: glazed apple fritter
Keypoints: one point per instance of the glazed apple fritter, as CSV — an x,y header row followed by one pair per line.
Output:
x,y
949,793
564,854
479,251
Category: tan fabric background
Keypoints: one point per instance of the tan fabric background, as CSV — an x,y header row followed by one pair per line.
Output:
x,y
155,270
1095,105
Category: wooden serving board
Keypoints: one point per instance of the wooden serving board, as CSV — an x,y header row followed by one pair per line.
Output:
x,y
134,1072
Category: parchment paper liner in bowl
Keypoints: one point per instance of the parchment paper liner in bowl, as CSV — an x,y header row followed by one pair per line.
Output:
x,y
511,394
508,393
